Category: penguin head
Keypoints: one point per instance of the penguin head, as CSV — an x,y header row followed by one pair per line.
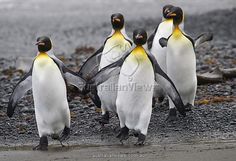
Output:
x,y
140,37
166,10
44,44
177,14
117,21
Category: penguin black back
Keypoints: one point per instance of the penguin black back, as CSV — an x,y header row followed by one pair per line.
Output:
x,y
117,21
44,44
140,36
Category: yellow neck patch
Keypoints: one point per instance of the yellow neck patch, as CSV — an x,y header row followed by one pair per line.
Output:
x,y
42,59
117,35
42,55
177,32
168,20
140,53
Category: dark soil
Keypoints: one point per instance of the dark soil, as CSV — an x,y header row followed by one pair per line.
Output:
x,y
213,117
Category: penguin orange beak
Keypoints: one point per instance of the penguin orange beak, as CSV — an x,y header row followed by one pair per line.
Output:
x,y
116,19
40,43
171,14
139,36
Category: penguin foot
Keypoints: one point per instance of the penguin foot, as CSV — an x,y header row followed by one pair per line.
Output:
x,y
124,134
161,99
43,144
141,139
172,115
104,119
136,134
65,135
188,107
55,136
62,145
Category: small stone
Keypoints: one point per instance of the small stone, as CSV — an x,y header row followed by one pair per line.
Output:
x,y
233,123
71,106
81,111
27,110
4,100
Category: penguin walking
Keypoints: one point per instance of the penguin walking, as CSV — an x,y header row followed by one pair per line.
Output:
x,y
164,29
47,77
114,47
181,60
137,71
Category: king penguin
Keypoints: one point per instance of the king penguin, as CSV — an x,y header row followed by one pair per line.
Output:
x,y
181,62
137,71
47,77
115,45
164,29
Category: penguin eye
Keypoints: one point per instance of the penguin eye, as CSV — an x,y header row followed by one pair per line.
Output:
x,y
167,10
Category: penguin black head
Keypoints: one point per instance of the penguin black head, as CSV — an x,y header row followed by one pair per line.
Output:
x,y
117,21
140,36
44,44
177,14
166,10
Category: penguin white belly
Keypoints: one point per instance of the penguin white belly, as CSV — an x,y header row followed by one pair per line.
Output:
x,y
50,98
164,30
181,67
134,97
114,49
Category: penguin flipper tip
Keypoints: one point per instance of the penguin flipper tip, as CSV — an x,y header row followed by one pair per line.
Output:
x,y
10,109
163,42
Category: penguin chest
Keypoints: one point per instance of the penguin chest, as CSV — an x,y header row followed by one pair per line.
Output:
x,y
181,61
134,98
180,51
164,30
137,74
49,88
114,49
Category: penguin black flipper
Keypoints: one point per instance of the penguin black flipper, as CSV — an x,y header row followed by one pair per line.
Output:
x,y
88,70
162,78
105,73
203,38
24,85
69,76
151,38
111,70
163,42
91,65
95,98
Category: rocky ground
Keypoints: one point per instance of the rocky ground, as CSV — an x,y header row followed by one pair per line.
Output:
x,y
213,117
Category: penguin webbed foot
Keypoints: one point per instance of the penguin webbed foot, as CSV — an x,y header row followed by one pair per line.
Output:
x,y
43,144
172,116
62,145
123,134
141,139
188,107
65,135
104,119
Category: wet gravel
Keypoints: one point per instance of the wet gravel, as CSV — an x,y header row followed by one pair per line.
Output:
x,y
213,117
